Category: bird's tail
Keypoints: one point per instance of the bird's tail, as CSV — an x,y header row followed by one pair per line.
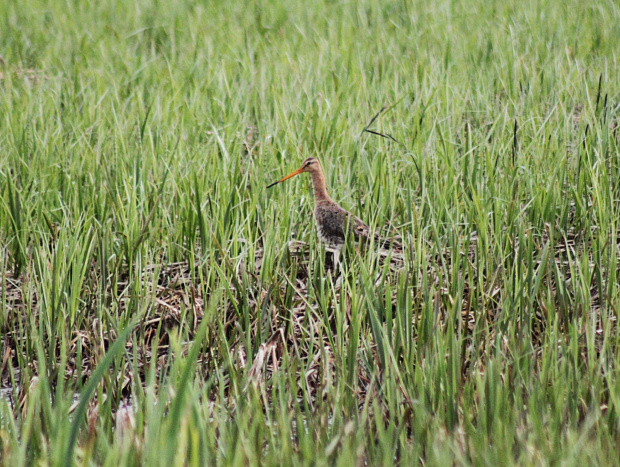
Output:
x,y
389,243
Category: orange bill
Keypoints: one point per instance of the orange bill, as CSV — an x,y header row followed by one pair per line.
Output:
x,y
297,172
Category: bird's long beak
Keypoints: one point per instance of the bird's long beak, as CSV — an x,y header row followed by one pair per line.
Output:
x,y
297,172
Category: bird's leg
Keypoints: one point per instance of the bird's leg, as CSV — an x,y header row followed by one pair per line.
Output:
x,y
337,269
336,253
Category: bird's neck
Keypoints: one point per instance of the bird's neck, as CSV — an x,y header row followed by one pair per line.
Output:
x,y
318,185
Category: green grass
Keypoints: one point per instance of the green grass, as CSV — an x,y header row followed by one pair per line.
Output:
x,y
151,311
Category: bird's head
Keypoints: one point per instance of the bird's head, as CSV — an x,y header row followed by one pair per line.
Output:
x,y
311,164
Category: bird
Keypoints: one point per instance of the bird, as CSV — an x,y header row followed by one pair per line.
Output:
x,y
333,222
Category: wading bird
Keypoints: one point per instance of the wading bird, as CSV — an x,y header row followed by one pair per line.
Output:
x,y
333,222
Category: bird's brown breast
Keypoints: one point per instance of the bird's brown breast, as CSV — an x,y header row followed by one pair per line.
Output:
x,y
330,220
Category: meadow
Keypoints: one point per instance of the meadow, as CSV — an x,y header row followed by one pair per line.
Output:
x,y
159,306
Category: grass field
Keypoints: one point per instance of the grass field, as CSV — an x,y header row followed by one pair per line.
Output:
x,y
159,306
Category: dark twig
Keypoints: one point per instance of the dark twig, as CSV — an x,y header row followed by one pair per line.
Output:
x,y
372,120
387,135
385,108
515,142
598,93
